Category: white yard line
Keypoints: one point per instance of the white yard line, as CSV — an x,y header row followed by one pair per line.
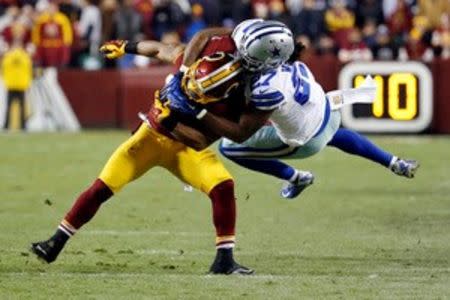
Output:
x,y
137,275
145,232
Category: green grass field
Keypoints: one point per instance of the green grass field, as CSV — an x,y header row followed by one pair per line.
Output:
x,y
360,232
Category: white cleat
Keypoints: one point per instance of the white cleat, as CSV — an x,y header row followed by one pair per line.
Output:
x,y
405,167
292,189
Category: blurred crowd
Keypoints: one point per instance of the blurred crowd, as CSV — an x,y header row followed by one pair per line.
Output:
x,y
67,33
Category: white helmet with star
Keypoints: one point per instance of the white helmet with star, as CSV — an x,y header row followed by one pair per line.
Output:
x,y
263,44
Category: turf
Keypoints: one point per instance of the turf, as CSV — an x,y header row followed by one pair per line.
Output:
x,y
359,232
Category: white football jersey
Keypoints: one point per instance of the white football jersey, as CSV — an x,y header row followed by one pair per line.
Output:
x,y
298,102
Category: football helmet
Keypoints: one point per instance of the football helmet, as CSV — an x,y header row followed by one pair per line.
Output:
x,y
212,78
263,44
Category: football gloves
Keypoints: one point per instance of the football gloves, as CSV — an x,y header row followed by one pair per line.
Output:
x,y
113,49
178,101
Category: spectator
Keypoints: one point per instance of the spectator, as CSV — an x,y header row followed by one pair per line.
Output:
x,y
369,32
168,16
90,26
433,10
145,10
108,10
338,17
16,71
70,9
339,20
399,22
419,40
389,6
277,11
384,48
354,48
369,10
326,45
128,22
441,37
309,21
197,23
52,34
237,10
9,15
260,9
212,10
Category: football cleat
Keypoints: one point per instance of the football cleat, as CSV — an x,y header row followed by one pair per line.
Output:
x,y
405,167
46,250
292,189
224,264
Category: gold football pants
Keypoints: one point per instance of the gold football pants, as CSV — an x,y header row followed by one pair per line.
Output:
x,y
147,148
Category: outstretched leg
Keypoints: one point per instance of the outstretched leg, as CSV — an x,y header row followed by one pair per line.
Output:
x,y
296,180
84,208
354,143
132,159
258,153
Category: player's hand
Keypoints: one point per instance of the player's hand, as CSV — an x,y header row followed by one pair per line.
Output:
x,y
113,49
177,100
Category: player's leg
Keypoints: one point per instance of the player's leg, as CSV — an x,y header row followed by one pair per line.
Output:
x,y
258,153
129,161
204,171
354,143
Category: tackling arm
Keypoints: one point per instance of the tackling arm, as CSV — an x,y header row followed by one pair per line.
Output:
x,y
249,122
191,137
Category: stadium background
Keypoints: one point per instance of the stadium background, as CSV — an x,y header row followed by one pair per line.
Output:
x,y
335,32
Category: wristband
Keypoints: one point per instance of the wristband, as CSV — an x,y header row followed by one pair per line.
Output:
x,y
131,47
201,114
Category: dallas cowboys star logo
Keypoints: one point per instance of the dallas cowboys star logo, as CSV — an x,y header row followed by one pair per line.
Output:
x,y
276,52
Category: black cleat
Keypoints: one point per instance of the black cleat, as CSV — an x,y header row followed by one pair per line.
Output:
x,y
46,250
225,264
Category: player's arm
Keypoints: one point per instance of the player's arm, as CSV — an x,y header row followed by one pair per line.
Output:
x,y
196,45
163,52
170,121
263,101
191,137
250,121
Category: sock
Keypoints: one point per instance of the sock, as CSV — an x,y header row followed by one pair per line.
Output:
x,y
224,213
393,161
352,142
84,208
267,166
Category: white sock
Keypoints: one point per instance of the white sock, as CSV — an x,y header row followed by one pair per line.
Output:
x,y
294,177
393,160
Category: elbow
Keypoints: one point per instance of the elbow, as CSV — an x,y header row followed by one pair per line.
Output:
x,y
201,35
199,145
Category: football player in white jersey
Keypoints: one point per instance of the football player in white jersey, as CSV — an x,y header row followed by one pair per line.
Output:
x,y
301,117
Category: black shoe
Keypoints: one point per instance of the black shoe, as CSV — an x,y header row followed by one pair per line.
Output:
x,y
46,250
225,264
